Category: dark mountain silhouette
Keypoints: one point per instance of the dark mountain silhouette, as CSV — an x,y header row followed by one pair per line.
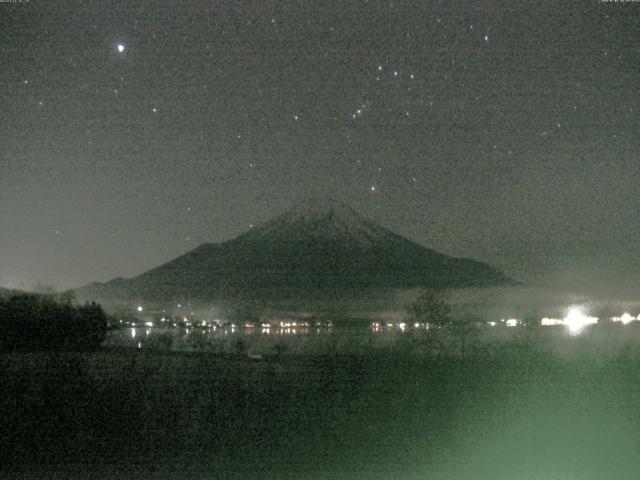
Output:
x,y
319,246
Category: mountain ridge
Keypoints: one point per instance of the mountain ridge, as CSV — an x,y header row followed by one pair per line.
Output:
x,y
320,245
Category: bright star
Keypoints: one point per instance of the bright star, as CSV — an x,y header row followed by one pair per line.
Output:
x,y
121,48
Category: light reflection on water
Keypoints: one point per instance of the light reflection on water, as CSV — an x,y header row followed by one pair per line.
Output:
x,y
233,338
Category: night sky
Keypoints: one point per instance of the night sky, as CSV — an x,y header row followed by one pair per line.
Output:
x,y
133,131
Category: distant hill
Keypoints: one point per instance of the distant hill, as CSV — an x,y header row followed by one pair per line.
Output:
x,y
319,246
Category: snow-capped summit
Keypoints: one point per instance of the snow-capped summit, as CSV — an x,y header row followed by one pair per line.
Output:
x,y
319,219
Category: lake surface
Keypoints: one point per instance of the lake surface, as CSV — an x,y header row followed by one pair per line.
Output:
x,y
598,340
260,341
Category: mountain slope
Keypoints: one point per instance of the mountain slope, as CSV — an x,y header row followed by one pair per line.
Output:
x,y
318,246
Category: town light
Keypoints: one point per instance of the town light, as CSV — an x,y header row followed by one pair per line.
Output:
x,y
576,320
511,322
549,322
624,319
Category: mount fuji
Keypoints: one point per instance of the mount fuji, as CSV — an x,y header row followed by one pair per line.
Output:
x,y
319,246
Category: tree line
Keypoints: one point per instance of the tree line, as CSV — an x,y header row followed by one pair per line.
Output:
x,y
50,322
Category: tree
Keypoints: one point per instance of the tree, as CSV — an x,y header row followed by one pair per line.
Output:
x,y
432,307
68,297
32,322
246,311
465,329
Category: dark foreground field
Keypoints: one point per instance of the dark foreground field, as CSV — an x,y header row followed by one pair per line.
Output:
x,y
514,413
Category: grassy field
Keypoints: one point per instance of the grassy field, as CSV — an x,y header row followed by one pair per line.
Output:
x,y
520,410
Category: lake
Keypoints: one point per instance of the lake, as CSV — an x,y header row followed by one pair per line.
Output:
x,y
597,340
258,340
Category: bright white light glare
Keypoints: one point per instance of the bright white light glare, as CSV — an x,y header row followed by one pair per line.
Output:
x,y
149,324
624,319
511,322
548,322
140,308
492,324
576,320
120,48
133,333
